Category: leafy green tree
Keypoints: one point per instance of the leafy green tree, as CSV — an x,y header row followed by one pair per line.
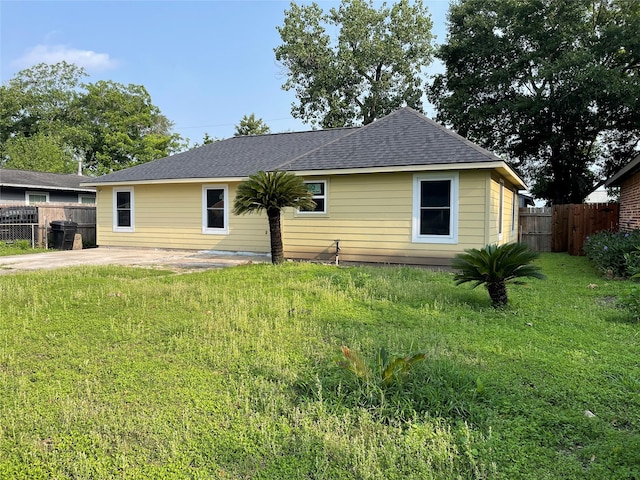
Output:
x,y
554,85
250,125
108,125
373,66
271,192
125,127
494,266
41,153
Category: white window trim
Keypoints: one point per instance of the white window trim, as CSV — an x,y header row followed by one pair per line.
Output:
x,y
514,212
116,227
31,192
452,238
501,210
215,231
325,196
80,197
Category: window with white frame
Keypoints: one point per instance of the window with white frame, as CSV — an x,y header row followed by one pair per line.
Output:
x,y
87,199
435,208
215,209
123,214
318,189
500,209
36,197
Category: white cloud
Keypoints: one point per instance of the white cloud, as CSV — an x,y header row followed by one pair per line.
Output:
x,y
50,54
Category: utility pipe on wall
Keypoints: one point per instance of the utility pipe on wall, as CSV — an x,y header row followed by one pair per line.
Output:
x,y
337,251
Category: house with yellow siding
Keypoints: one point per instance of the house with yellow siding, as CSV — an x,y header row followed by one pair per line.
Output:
x,y
402,189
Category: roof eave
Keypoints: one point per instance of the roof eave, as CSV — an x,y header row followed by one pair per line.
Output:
x,y
47,187
499,165
632,167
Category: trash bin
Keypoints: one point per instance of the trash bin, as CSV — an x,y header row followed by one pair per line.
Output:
x,y
63,232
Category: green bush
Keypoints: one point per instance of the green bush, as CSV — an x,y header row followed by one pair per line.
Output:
x,y
615,254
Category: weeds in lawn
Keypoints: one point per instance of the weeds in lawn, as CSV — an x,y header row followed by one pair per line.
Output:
x,y
387,371
135,373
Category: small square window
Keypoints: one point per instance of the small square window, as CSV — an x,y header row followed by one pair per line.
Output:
x,y
318,191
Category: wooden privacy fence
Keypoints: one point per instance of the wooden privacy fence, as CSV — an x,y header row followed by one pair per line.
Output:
x,y
83,215
564,228
535,228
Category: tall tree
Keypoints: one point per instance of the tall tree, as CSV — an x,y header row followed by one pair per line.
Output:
x,y
107,125
40,152
250,125
373,66
271,192
553,85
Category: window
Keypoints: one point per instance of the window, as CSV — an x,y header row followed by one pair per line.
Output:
x,y
87,199
123,210
500,209
319,191
215,211
435,208
36,197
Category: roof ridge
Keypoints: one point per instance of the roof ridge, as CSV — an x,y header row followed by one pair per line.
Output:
x,y
355,130
451,132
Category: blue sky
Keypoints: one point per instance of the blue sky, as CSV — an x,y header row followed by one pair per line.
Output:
x,y
206,64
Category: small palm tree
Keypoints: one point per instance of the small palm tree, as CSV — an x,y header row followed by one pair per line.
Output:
x,y
271,192
495,266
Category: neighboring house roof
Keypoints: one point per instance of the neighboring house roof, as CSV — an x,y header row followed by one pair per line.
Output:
x,y
631,168
43,181
405,138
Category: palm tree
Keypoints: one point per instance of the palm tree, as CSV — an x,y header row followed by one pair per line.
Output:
x,y
495,266
271,192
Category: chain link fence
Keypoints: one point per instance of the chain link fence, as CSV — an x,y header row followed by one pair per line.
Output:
x,y
19,223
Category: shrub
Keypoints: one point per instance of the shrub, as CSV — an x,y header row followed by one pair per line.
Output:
x,y
494,266
615,254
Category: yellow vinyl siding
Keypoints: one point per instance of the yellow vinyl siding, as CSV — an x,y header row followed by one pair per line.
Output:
x,y
170,216
371,215
509,234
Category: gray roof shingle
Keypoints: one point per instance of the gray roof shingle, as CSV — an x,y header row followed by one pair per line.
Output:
x,y
51,181
403,138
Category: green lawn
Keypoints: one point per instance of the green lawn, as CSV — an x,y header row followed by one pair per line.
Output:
x,y
135,373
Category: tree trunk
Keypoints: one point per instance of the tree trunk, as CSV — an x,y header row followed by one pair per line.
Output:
x,y
498,294
275,232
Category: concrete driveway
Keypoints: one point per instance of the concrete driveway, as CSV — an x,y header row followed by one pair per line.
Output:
x,y
178,260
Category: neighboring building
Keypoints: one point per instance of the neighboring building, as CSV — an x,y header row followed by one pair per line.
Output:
x,y
628,179
402,189
24,187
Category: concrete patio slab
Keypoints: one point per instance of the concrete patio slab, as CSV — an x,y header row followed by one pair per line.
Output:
x,y
150,258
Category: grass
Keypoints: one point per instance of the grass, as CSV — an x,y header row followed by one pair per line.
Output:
x,y
19,247
130,373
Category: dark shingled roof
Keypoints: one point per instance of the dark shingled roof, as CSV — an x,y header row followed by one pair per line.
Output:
x,y
403,138
51,181
629,169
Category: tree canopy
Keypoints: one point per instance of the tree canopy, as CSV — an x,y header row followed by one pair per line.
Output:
x,y
250,125
50,120
372,66
553,85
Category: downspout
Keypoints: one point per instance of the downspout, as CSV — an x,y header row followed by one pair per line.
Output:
x,y
337,251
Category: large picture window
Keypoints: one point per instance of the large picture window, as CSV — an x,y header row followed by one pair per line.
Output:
x,y
435,208
123,210
319,191
215,216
